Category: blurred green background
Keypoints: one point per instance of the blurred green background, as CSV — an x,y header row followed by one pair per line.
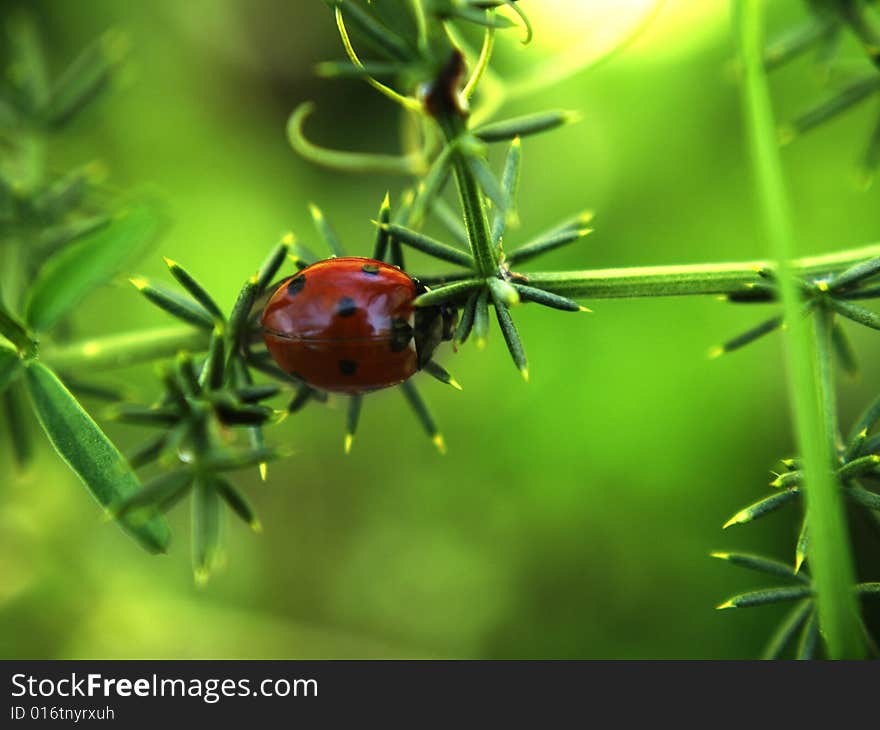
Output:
x,y
573,517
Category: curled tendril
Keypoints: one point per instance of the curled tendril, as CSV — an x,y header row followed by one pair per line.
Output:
x,y
482,63
407,102
360,162
527,24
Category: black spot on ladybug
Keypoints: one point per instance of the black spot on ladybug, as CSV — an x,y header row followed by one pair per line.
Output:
x,y
371,269
296,284
348,367
346,307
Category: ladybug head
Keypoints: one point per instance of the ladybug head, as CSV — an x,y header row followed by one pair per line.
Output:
x,y
433,325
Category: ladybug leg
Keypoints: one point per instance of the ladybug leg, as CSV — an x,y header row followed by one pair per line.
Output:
x,y
428,332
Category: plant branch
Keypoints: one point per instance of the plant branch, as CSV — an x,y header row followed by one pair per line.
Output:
x,y
829,550
113,351
471,197
687,279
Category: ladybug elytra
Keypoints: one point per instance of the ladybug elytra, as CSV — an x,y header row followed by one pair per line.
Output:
x,y
349,325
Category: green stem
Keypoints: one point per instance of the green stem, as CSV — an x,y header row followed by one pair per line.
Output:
x,y
829,551
824,321
688,279
472,204
113,351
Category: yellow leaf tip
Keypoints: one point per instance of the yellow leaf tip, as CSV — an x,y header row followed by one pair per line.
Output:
x,y
737,519
288,239
716,352
349,440
724,606
264,470
439,442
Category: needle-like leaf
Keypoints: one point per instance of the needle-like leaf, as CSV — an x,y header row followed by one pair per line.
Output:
x,y
429,245
767,595
448,293
763,507
423,414
539,296
809,638
787,630
354,413
196,290
325,231
511,336
747,337
466,323
236,501
861,496
762,565
380,248
523,126
546,242
173,303
206,530
440,373
844,351
855,274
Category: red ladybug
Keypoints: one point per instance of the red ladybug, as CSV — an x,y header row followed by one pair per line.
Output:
x,y
349,325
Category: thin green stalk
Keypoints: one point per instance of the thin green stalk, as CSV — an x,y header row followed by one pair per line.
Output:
x,y
112,351
472,205
688,279
643,281
829,550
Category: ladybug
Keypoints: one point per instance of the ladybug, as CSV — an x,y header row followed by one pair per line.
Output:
x,y
349,325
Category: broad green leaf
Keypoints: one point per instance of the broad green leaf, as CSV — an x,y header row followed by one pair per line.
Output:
x,y
88,451
72,273
10,365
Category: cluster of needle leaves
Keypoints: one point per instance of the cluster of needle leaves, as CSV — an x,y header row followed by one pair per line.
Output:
x,y
828,24
62,234
829,298
68,233
434,84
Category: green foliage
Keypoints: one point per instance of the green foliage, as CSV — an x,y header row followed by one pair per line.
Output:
x,y
88,452
210,414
